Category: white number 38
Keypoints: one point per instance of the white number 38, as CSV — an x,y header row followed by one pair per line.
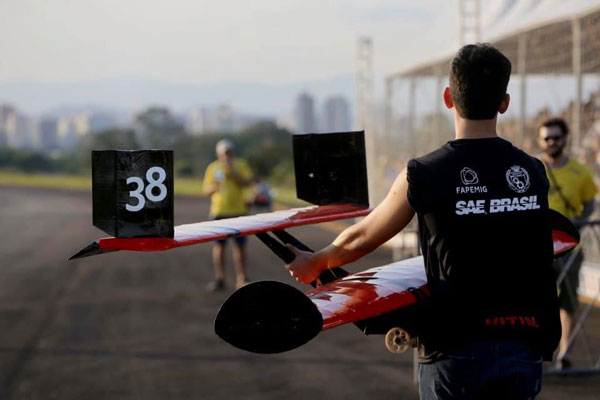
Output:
x,y
152,183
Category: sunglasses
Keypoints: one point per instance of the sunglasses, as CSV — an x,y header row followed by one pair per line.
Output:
x,y
555,138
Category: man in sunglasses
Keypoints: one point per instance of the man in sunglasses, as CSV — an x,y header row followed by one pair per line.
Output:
x,y
572,191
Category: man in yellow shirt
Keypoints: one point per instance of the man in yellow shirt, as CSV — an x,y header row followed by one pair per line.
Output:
x,y
572,191
224,181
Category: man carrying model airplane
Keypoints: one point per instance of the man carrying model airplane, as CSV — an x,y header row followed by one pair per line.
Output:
x,y
482,208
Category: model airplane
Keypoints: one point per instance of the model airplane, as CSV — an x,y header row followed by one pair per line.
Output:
x,y
330,172
272,317
268,316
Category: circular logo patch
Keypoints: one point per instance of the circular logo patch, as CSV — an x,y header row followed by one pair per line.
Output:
x,y
468,176
518,179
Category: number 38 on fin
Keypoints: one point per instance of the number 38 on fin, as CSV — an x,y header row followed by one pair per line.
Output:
x,y
132,192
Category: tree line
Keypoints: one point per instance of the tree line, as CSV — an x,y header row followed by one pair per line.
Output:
x,y
266,147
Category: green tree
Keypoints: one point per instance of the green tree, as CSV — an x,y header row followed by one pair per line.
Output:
x,y
156,127
112,139
265,146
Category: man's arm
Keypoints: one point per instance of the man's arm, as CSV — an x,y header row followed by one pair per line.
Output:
x,y
210,189
209,185
386,220
588,190
588,209
242,174
241,179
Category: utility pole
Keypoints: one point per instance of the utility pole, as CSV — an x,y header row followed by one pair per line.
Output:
x,y
469,27
364,84
365,104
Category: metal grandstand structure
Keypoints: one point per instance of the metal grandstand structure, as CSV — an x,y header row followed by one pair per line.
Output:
x,y
469,22
554,46
365,98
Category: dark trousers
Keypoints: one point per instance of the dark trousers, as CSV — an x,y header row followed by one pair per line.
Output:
x,y
483,370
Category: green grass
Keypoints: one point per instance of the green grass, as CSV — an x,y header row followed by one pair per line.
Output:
x,y
183,186
188,186
71,182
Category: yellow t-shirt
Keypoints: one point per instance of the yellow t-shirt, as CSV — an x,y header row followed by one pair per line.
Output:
x,y
576,185
230,199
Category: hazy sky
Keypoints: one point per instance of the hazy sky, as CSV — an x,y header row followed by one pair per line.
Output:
x,y
200,41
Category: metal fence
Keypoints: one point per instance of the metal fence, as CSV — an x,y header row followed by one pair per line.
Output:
x,y
587,349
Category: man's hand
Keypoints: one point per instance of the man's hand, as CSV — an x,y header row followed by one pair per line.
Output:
x,y
232,173
306,266
386,220
227,165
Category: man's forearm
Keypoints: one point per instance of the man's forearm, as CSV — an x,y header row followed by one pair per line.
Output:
x,y
349,246
386,220
209,190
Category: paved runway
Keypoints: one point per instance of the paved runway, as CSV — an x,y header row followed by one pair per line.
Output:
x,y
139,325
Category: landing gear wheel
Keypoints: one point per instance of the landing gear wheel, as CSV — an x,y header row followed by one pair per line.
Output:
x,y
398,341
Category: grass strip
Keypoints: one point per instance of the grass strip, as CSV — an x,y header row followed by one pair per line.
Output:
x,y
183,186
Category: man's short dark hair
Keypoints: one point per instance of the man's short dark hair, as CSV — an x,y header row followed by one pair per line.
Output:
x,y
479,75
559,122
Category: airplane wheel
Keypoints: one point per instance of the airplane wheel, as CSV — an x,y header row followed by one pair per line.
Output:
x,y
397,340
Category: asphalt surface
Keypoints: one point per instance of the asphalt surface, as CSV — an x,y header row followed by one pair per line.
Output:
x,y
139,325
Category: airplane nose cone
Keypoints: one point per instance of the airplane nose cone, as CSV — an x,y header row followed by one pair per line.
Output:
x,y
268,317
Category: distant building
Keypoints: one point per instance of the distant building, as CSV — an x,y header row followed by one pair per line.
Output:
x,y
305,114
198,121
67,132
222,119
225,118
209,120
48,134
23,132
336,114
5,112
16,129
89,122
73,127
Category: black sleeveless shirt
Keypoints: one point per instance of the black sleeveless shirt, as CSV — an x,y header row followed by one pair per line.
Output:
x,y
482,207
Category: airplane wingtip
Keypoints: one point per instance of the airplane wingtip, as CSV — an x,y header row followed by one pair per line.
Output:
x,y
90,250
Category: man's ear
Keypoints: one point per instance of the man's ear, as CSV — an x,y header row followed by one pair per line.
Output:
x,y
448,98
504,104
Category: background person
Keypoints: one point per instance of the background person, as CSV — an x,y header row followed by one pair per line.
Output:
x,y
224,181
572,191
261,200
493,310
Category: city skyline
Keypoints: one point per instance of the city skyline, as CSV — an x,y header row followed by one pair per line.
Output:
x,y
63,128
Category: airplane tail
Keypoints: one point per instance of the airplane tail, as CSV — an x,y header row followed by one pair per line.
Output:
x,y
331,168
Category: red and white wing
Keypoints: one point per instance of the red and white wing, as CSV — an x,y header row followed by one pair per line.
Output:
x,y
207,231
379,290
370,293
